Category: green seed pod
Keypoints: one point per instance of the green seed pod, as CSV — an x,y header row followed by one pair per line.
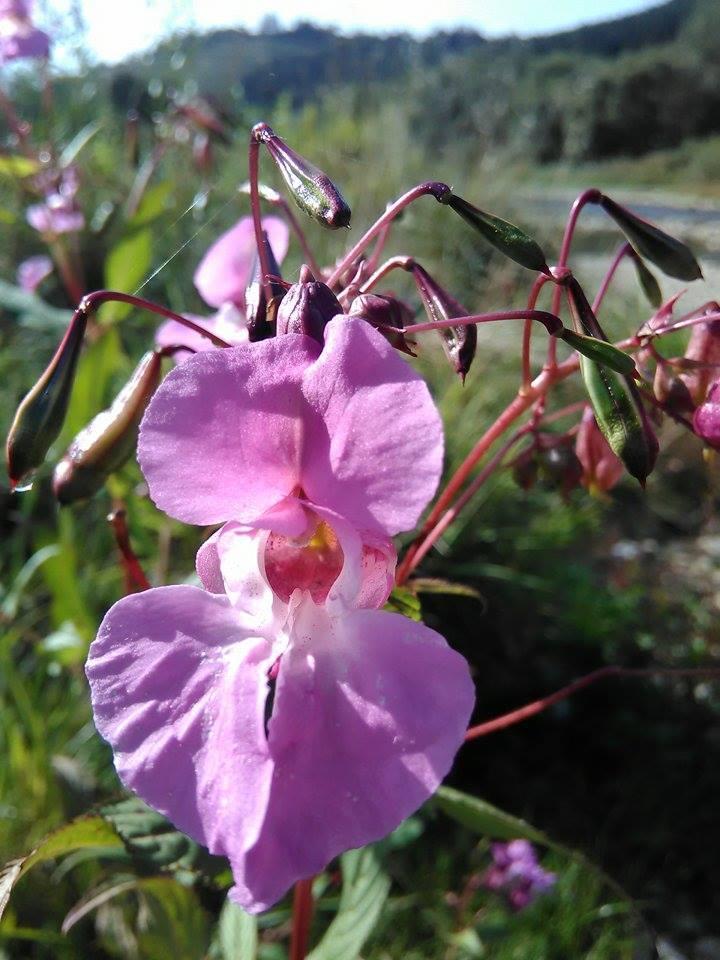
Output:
x,y
621,418
311,189
41,414
600,351
503,235
109,440
672,256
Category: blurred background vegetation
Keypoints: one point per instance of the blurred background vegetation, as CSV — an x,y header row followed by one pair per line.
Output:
x,y
628,772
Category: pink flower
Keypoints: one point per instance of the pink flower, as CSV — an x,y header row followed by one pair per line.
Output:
x,y
706,420
18,37
368,711
277,716
32,272
224,272
58,214
228,323
517,874
232,433
221,279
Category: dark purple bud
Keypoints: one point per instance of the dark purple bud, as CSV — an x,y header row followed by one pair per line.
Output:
x,y
706,421
525,469
385,312
560,465
671,392
109,440
459,343
259,314
41,414
311,189
307,307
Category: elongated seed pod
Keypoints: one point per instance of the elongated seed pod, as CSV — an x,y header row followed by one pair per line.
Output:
x,y
109,440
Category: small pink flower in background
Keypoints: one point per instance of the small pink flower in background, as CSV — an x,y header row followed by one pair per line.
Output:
x,y
19,38
221,279
706,420
277,716
517,874
602,469
32,272
224,272
60,212
228,323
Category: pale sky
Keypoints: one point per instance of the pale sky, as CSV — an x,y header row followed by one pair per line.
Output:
x,y
116,29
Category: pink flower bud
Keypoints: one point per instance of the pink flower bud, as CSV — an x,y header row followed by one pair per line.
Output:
x,y
706,422
601,468
307,307
703,347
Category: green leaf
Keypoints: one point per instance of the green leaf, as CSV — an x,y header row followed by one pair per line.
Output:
x,y
600,351
672,256
403,600
126,267
35,312
153,204
503,235
648,282
15,166
152,841
177,926
78,143
77,835
237,933
365,890
481,817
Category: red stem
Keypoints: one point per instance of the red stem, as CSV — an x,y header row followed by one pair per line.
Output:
x,y
587,196
92,301
551,323
135,579
451,514
429,187
538,706
301,919
540,282
253,166
624,250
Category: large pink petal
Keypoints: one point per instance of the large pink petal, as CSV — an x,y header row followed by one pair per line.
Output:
x,y
223,437
224,272
368,715
386,438
179,690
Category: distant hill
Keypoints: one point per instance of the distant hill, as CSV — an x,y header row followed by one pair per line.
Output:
x,y
302,61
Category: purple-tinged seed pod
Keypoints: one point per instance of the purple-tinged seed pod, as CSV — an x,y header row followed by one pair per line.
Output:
x,y
109,440
385,312
259,314
459,343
